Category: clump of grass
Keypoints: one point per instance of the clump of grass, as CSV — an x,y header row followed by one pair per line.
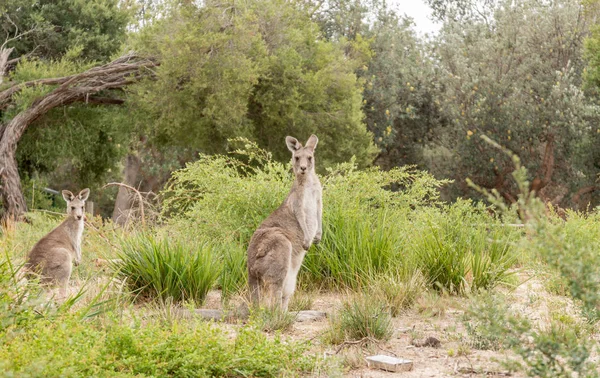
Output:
x,y
461,250
359,318
165,269
234,276
272,319
356,247
302,300
398,291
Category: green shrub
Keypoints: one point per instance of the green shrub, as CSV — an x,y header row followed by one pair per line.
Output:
x,y
571,248
359,318
556,350
167,269
71,348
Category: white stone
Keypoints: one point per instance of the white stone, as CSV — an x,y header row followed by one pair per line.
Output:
x,y
389,363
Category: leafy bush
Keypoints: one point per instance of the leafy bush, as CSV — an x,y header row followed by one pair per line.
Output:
x,y
167,269
226,198
359,318
190,349
556,350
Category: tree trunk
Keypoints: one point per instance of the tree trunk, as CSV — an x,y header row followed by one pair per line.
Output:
x,y
10,186
544,176
4,55
123,203
79,87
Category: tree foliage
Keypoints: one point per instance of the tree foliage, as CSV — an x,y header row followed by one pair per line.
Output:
x,y
93,29
517,79
256,69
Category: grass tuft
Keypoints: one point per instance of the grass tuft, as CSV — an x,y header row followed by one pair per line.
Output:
x,y
360,318
164,269
272,319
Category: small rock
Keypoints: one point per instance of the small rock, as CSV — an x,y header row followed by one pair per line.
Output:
x,y
389,363
428,342
309,315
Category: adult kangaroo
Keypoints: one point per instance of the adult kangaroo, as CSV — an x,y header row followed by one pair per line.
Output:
x,y
53,256
278,246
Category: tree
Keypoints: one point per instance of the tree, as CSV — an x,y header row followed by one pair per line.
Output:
x,y
398,75
94,29
49,42
257,69
61,91
400,92
517,79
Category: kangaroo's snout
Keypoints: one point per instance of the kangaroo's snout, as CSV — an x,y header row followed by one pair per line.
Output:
x,y
79,217
303,168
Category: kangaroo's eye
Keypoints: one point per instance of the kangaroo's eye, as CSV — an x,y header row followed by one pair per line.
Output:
x,y
81,207
297,158
310,158
72,207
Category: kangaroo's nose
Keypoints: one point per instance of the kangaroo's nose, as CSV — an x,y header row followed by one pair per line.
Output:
x,y
78,217
303,168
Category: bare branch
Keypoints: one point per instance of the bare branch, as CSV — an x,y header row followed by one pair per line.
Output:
x,y
116,74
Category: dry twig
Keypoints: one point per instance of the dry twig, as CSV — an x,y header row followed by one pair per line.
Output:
x,y
139,196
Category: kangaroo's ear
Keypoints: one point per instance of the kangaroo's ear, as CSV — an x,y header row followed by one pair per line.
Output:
x,y
84,194
68,196
292,143
312,142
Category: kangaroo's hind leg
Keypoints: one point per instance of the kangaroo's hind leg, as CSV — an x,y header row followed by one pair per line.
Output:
x,y
275,268
58,268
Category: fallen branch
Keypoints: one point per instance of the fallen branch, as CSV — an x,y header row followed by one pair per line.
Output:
x,y
139,196
362,342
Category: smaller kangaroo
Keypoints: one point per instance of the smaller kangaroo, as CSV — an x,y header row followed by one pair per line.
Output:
x,y
52,257
278,246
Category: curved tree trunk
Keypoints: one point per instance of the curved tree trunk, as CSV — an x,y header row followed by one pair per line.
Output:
x,y
10,186
80,87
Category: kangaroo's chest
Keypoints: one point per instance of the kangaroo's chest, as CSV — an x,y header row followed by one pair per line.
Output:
x,y
310,204
78,235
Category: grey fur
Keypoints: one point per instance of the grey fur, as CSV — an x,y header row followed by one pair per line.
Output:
x,y
278,246
53,256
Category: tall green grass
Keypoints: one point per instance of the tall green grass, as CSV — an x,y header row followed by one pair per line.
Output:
x,y
369,230
159,268
356,249
461,249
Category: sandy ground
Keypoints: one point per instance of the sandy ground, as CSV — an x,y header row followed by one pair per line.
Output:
x,y
439,317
